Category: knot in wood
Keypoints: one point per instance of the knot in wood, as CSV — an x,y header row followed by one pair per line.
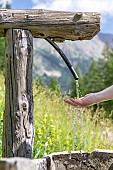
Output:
x,y
77,16
17,114
26,16
24,105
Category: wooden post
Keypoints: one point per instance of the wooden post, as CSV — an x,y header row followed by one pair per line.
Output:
x,y
18,116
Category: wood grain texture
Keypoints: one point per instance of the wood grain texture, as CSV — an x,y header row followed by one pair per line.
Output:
x,y
52,24
18,116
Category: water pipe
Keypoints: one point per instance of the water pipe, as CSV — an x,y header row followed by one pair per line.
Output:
x,y
71,68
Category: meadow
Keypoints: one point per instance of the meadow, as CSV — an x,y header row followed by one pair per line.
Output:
x,y
55,126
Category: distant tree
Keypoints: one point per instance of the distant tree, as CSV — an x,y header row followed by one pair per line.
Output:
x,y
2,53
108,67
38,82
8,6
54,85
100,76
107,76
92,79
2,45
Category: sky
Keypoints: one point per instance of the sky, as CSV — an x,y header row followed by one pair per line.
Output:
x,y
105,7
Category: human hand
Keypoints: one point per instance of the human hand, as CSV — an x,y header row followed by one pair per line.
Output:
x,y
87,100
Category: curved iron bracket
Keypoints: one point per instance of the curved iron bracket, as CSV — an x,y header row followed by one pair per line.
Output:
x,y
71,68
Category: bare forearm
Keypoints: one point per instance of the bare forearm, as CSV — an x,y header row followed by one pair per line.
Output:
x,y
92,98
105,95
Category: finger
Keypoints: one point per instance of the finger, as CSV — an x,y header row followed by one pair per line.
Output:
x,y
77,101
73,103
70,102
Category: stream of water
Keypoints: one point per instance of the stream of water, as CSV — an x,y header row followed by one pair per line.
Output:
x,y
78,121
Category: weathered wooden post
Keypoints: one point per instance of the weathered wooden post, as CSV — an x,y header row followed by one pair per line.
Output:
x,y
58,25
18,116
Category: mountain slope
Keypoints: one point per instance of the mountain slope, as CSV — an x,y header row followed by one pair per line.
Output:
x,y
47,62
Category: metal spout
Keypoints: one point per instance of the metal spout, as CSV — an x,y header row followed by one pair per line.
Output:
x,y
71,68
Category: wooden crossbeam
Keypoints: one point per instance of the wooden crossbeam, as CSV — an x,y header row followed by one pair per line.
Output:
x,y
53,24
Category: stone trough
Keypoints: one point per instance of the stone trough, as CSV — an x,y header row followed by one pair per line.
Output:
x,y
79,160
96,160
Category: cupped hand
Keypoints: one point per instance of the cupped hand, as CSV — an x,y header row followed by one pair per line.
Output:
x,y
87,100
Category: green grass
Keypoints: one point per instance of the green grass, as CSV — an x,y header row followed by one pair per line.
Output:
x,y
54,130
53,120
